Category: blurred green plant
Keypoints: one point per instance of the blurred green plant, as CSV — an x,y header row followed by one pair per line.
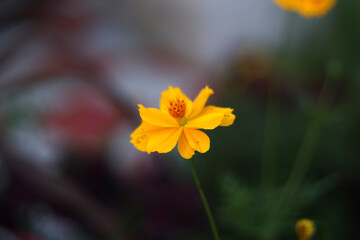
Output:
x,y
324,111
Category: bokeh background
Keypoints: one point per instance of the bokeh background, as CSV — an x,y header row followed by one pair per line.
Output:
x,y
72,72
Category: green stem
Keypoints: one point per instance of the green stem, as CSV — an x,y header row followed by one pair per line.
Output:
x,y
272,112
305,155
301,164
203,198
287,35
270,138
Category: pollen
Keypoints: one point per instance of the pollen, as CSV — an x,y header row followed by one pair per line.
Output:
x,y
177,108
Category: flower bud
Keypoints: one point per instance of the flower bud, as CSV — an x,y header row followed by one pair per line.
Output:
x,y
305,228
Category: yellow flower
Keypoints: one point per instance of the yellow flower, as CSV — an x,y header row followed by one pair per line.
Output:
x,y
177,122
305,228
307,8
287,5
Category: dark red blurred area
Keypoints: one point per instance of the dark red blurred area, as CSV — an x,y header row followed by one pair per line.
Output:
x,y
83,196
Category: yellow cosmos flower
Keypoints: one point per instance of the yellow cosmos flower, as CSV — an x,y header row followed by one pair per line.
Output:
x,y
307,8
287,5
305,228
178,122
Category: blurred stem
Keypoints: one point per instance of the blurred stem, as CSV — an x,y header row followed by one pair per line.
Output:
x,y
203,198
286,36
302,162
305,155
272,111
270,139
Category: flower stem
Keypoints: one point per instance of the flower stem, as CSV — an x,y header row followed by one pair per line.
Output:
x,y
301,164
305,155
269,155
203,198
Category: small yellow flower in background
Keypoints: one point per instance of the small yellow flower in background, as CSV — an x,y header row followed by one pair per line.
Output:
x,y
305,228
307,8
287,5
177,122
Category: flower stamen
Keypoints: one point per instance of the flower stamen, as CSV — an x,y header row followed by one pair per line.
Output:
x,y
177,108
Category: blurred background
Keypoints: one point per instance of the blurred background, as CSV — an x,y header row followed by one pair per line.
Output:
x,y
72,72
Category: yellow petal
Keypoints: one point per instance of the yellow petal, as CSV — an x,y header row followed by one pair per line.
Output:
x,y
201,100
286,4
163,140
307,8
313,8
211,117
172,94
206,120
184,148
156,117
140,137
198,140
229,117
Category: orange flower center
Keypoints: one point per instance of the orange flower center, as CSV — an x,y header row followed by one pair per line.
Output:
x,y
177,108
